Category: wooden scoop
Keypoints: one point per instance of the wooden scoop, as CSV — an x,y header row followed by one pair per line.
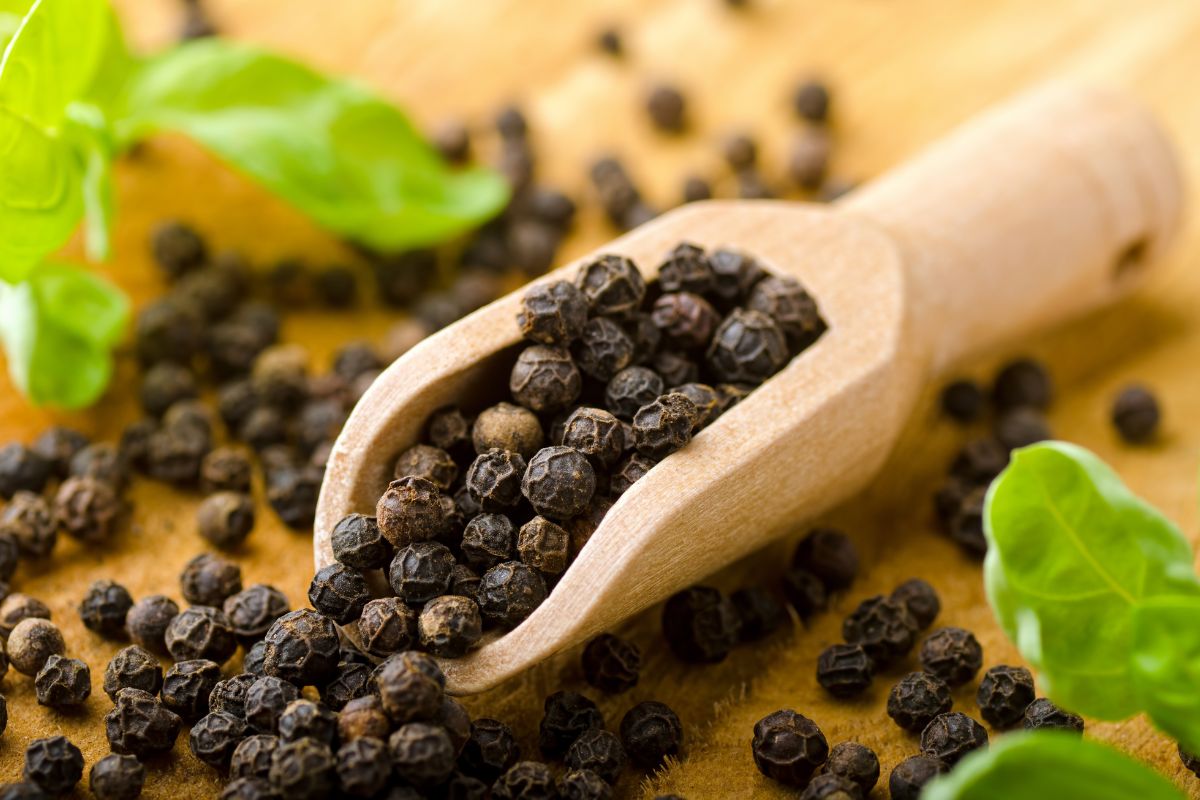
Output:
x,y
1042,209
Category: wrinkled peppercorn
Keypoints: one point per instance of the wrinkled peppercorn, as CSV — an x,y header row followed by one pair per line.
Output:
x,y
611,664
545,379
132,668
856,763
252,659
845,670
54,764
410,511
31,643
883,627
104,607
351,683
700,625
788,747
208,579
953,654
421,571
1023,382
27,519
487,540
363,716
411,687
685,319
667,109
387,626
449,626
630,389
950,736
63,682
116,777
544,546
186,687
17,607
804,592
613,286
302,648
920,599
1004,694
339,592
200,632
509,427
139,725
252,756
559,482
629,472
603,348
363,767
229,695
251,611
22,470
525,780
357,542
266,699
490,751
734,274
431,463
1043,713
449,429
225,518
916,699
249,789
214,737
830,555
509,592
651,731
304,769
664,426
148,619
292,493
759,611
86,509
791,307
553,313
422,754
909,777
567,716
302,718
583,784
1136,414
747,347
597,750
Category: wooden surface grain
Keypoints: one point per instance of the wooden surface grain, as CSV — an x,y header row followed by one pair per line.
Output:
x,y
903,73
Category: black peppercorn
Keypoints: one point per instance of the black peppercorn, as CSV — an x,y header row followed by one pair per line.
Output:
x,y
759,611
829,786
168,329
1023,382
252,757
266,699
909,777
509,592
421,571
431,463
962,400
352,681
734,274
544,546
104,607
57,445
302,718
132,668
22,470
811,101
410,511
450,430
788,747
603,348
86,509
808,159
229,695
292,493
525,780
487,540
845,670
225,518
830,555
339,592
1020,427
883,627
225,469
450,625
651,731
804,592
667,109
304,769
568,715
63,683
747,347
950,736
490,750
357,542
387,626
583,784
54,764
207,580
685,319
665,425
679,371
116,777
630,389
165,384
186,687
363,766
597,750
27,519
545,379
920,599
249,789
700,625
791,307
854,762
411,686
559,482
916,699
200,632
695,189
953,654
1136,414
1004,694
31,643
422,754
629,472
263,426
363,716
609,41
302,648
1190,761
455,720
966,526
553,313
147,621
214,737
1043,713
17,607
611,664
252,610
178,249
139,725
612,285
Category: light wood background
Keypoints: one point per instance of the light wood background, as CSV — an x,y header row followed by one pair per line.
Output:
x,y
903,73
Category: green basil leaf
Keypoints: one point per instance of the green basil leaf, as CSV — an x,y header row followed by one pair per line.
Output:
x,y
1166,665
88,131
1071,553
335,151
58,329
1050,764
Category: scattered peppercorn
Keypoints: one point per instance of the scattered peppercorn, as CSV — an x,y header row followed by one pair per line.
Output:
x,y
1022,382
411,686
251,611
186,687
696,188
17,607
1043,713
845,670
950,736
86,509
788,747
148,619
302,718
830,555
805,592
651,731
357,542
63,683
207,580
139,725
611,664
597,750
22,470
525,779
1020,427
1004,694
916,699
952,654
544,546
509,592
811,101
54,764
117,777
449,626
667,109
966,527
909,777
920,599
1136,414
132,668
104,607
808,161
856,763
759,611
583,784
31,644
226,518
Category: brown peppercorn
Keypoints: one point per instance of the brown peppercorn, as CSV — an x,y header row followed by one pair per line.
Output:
x,y
695,189
853,762
845,670
252,610
186,687
1023,382
603,348
553,313
916,699
509,592
17,607
200,632
953,654
452,140
490,751
545,379
788,747
226,469
950,736
488,540
494,479
208,579
86,509
363,717
178,249
31,643
302,648
507,427
740,151
104,607
883,627
387,626
567,716
292,493
63,682
225,518
132,668
544,546
174,455
808,160
1136,414
700,625
675,368
339,592
266,698
116,777
980,460
57,445
629,472
686,319
1004,694
304,719
630,389
747,347
147,621
667,109
804,592
650,732
28,520
363,766
430,463
357,542
909,777
786,301
596,434
214,737
421,571
449,429
422,754
665,425
559,482
830,555
304,769
53,766
920,599
229,695
525,779
811,101
10,555
613,286
450,626
410,511
139,725
583,784
464,581
611,664
1042,713
165,384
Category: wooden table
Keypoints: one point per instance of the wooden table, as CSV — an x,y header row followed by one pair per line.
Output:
x,y
903,73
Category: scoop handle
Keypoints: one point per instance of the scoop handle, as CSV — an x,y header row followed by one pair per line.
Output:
x,y
1051,204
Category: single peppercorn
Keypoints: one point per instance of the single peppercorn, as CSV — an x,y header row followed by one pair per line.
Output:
x,y
559,482
509,592
186,687
104,607
916,699
132,668
920,599
266,698
966,527
700,625
292,493
411,686
251,611
363,766
830,555
53,764
788,747
302,648
86,509
950,736
525,780
207,580
449,429
747,347
545,379
487,540
165,384
226,469
57,445
249,789
1136,414
759,611
1004,694
603,348
490,751
845,670
339,592
612,285
553,313
687,320
351,682
651,731
178,249
811,101
883,627
568,715
139,725
544,546
421,571
630,389
667,109
215,736
252,659
509,427
953,654
31,643
229,695
734,274
148,619
804,592
792,308
410,511
363,716
431,463
583,784
302,718
628,472
357,542
962,400
695,189
665,425
304,769
1023,382
252,756
17,607
200,632
856,763
27,519
22,470
422,754
168,329
225,518
104,462
909,777
1021,427
597,750
450,626
1043,713
117,777
63,683
387,626
611,664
